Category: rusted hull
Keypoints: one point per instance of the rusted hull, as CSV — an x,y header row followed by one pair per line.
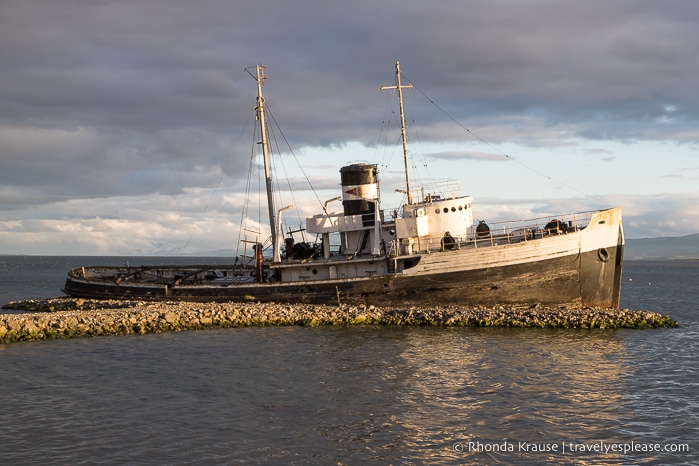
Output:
x,y
584,279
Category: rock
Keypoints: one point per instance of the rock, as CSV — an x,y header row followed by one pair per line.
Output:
x,y
71,318
170,317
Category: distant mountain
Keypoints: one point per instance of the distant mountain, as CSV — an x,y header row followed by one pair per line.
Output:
x,y
683,247
178,252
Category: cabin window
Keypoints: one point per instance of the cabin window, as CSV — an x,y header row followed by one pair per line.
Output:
x,y
446,209
436,211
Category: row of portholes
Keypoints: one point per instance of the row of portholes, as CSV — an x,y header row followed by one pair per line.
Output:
x,y
453,209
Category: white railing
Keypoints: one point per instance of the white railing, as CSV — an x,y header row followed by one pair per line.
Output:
x,y
508,232
449,189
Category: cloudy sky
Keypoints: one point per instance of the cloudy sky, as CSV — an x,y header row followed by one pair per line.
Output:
x,y
124,123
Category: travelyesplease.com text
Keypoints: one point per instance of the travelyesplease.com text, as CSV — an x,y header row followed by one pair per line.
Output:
x,y
569,447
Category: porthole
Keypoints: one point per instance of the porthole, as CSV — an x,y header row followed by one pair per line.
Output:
x,y
436,211
315,271
446,209
461,207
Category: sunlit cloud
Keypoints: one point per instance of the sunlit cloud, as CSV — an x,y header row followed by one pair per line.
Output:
x,y
127,128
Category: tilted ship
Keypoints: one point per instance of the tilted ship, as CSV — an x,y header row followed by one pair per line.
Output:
x,y
429,251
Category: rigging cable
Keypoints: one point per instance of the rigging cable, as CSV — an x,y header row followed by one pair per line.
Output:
x,y
411,159
273,135
501,152
291,151
223,174
385,128
245,209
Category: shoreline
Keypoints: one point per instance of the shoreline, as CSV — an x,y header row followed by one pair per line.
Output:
x,y
63,318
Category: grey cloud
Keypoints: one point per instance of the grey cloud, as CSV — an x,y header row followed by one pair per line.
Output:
x,y
101,99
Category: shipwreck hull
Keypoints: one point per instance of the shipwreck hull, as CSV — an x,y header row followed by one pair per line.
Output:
x,y
584,279
429,252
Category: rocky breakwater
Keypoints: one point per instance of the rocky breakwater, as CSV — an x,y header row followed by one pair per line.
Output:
x,y
68,318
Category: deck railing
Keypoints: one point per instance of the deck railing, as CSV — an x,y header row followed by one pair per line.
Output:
x,y
449,189
507,232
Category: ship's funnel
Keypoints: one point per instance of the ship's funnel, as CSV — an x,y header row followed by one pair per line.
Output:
x,y
359,188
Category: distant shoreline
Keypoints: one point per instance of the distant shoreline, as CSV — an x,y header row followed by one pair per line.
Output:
x,y
654,259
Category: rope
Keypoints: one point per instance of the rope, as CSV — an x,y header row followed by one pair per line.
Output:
x,y
213,193
496,149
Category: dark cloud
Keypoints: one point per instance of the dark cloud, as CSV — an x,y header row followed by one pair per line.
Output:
x,y
102,99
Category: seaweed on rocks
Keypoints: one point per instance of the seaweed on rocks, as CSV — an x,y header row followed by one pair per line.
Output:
x,y
58,318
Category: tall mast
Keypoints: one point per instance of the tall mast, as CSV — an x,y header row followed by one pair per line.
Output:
x,y
260,78
403,131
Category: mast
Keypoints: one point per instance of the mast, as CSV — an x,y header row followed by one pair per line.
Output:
x,y
403,131
260,78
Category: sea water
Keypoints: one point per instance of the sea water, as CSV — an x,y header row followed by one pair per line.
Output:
x,y
355,395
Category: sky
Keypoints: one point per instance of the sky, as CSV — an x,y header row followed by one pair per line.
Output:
x,y
126,125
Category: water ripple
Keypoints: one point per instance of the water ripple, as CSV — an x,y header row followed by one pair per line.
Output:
x,y
378,395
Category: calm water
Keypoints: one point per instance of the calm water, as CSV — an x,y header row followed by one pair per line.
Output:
x,y
378,395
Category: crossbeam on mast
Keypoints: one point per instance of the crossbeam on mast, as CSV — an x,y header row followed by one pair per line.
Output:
x,y
403,131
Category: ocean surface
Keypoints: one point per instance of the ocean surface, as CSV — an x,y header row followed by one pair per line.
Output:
x,y
356,395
